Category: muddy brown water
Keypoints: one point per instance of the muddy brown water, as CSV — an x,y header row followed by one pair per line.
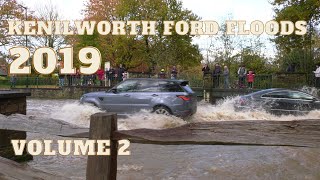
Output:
x,y
183,161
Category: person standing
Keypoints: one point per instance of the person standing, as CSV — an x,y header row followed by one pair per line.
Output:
x,y
250,79
242,72
317,76
61,80
125,75
93,79
205,70
100,74
69,78
226,75
216,75
85,80
113,76
77,81
162,74
121,70
13,81
174,73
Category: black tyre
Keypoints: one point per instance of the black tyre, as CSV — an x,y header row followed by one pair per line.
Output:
x,y
162,110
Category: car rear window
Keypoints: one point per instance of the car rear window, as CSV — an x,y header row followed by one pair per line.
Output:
x,y
188,89
170,86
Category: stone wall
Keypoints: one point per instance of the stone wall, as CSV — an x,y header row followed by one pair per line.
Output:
x,y
63,93
10,106
12,103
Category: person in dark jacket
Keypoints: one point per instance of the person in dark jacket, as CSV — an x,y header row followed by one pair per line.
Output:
x,y
205,70
121,70
242,73
174,72
216,75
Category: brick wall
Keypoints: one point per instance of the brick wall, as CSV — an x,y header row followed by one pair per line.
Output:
x,y
12,103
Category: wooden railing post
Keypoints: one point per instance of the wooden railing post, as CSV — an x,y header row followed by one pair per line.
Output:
x,y
103,167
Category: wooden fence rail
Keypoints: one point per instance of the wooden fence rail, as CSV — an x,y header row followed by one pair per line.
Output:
x,y
299,133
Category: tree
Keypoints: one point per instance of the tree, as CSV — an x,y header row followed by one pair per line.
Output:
x,y
99,10
295,10
9,10
153,50
233,51
292,45
48,12
162,50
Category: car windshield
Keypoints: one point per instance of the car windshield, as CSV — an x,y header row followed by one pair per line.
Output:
x,y
301,95
127,86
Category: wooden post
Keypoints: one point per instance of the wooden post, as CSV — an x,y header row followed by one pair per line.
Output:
x,y
103,167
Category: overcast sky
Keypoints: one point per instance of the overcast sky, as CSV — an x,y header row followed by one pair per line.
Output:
x,y
207,9
248,10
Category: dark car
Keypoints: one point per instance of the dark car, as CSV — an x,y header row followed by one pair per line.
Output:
x,y
162,96
279,101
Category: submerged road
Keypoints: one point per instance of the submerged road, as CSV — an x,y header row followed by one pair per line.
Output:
x,y
180,162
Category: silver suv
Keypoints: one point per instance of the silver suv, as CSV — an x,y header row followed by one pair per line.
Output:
x,y
162,96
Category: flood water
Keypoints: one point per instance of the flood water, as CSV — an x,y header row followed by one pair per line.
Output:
x,y
184,161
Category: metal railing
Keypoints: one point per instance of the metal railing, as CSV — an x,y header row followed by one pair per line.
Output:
x,y
261,81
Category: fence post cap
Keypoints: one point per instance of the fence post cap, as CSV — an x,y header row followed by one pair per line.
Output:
x,y
99,114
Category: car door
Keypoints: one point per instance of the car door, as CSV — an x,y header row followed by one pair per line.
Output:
x,y
145,95
119,100
279,102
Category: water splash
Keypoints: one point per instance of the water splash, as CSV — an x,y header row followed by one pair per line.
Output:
x,y
224,111
146,119
79,114
310,90
75,113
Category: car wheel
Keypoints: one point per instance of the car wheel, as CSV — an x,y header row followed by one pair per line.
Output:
x,y
162,110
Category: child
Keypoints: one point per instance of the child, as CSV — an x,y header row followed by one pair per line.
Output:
x,y
125,75
250,79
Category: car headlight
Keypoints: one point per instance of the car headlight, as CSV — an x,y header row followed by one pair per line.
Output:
x,y
82,97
